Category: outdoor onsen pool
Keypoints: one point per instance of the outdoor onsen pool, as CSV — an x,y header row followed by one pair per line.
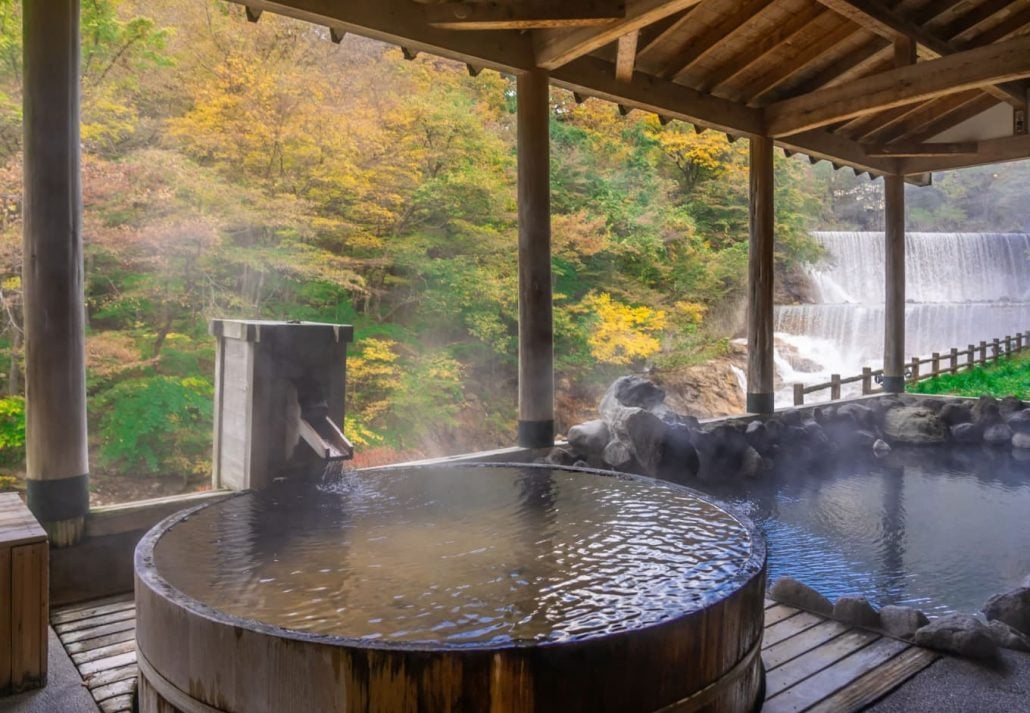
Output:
x,y
941,529
457,587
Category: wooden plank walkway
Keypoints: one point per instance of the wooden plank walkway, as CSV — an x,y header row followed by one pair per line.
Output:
x,y
812,663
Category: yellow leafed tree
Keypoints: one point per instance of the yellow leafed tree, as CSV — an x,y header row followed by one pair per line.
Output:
x,y
623,333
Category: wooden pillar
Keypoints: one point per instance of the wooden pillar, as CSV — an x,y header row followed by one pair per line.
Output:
x,y
760,279
536,329
55,378
894,306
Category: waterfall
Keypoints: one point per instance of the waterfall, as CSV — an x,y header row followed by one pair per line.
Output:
x,y
961,288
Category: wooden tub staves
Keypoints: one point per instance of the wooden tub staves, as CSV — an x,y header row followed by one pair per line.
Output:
x,y
194,658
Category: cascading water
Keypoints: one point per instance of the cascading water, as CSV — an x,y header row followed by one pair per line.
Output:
x,y
961,288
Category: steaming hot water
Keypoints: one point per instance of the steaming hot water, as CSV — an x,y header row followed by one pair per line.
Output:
x,y
459,556
961,288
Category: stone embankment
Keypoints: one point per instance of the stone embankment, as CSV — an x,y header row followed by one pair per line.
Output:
x,y
639,432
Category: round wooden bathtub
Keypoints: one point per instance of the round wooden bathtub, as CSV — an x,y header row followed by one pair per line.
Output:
x,y
487,589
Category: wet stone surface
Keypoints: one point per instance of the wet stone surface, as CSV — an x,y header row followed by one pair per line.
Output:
x,y
457,556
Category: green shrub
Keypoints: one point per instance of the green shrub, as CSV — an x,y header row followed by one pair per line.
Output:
x,y
157,424
12,430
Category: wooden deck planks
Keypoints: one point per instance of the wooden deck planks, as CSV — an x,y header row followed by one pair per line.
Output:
x,y
813,664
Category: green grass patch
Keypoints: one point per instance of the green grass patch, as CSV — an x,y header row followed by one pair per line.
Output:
x,y
1008,377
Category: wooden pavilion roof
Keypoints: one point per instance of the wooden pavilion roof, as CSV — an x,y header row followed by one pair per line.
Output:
x,y
889,87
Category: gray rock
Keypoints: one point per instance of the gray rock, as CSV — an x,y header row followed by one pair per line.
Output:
x,y
560,456
751,464
757,434
1012,607
956,412
856,611
1026,581
902,622
1021,440
790,591
998,435
679,460
632,392
862,415
985,411
915,425
961,634
1007,637
1020,421
966,433
589,438
863,438
1009,405
880,447
617,455
646,434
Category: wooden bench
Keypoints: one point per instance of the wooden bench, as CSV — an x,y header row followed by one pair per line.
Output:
x,y
24,556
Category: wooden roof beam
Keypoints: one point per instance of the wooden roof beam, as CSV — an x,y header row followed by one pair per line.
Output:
x,y
555,47
591,76
1009,148
886,23
919,82
910,149
627,56
523,15
715,34
821,145
393,21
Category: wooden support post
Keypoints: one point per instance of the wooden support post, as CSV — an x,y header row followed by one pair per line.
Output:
x,y
894,306
760,279
1019,342
799,394
954,360
56,460
914,378
867,380
995,349
983,352
536,330
1008,345
935,364
834,387
971,358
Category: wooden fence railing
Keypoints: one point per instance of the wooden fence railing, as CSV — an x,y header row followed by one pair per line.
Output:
x,y
940,363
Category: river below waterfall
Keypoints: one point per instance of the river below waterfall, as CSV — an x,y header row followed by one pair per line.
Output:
x,y
961,288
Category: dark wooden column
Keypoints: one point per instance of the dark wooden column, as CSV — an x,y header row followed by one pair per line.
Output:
x,y
536,330
55,379
894,268
760,279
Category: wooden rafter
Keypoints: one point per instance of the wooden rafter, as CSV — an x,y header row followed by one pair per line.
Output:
x,y
523,15
939,116
885,22
394,22
764,48
978,15
907,149
627,56
973,68
557,47
1009,148
716,33
825,146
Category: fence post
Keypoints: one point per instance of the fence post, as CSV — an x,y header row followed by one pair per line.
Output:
x,y
834,387
972,357
915,370
983,352
935,365
1019,342
1008,345
954,360
799,394
867,380
995,349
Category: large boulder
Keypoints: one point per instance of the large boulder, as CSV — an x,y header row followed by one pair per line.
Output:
x,y
966,433
589,438
985,411
679,461
998,435
914,425
1021,440
1019,421
789,591
1012,607
1009,405
632,392
856,611
860,414
961,634
902,622
956,412
1007,637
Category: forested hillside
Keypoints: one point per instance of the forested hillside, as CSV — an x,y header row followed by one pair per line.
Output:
x,y
259,170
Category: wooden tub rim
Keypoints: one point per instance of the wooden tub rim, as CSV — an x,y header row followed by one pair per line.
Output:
x,y
147,575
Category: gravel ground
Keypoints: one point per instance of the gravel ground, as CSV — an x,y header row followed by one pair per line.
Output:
x,y
953,685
